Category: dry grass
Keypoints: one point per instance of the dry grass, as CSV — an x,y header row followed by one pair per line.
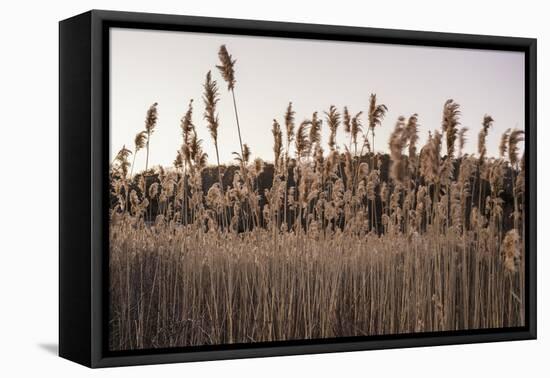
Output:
x,y
337,245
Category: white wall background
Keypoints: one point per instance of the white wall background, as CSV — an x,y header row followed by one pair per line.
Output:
x,y
29,188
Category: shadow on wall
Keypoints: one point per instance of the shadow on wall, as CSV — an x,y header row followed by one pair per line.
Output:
x,y
51,348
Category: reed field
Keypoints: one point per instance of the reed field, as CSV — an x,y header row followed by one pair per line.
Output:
x,y
314,242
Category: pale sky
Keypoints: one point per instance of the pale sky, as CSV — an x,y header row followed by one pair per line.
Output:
x,y
170,67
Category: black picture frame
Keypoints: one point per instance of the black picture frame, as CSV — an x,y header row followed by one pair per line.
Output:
x,y
84,141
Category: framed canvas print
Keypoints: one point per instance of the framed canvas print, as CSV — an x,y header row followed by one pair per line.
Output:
x,y
233,188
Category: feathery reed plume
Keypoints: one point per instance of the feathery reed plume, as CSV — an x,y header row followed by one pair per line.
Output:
x,y
412,135
461,140
302,142
333,121
211,98
194,145
376,115
151,118
139,143
150,123
153,190
187,131
450,124
398,141
121,161
258,166
246,153
347,120
330,163
348,167
227,67
201,159
319,158
198,156
482,137
243,159
516,136
186,123
277,143
356,128
376,112
503,145
430,158
315,131
289,124
178,161
510,251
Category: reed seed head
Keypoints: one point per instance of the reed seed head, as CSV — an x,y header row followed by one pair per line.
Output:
x,y
227,67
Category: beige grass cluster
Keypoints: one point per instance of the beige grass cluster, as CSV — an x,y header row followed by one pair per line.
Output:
x,y
339,244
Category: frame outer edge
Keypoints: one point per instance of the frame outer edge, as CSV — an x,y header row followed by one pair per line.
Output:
x,y
75,334
97,167
98,263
